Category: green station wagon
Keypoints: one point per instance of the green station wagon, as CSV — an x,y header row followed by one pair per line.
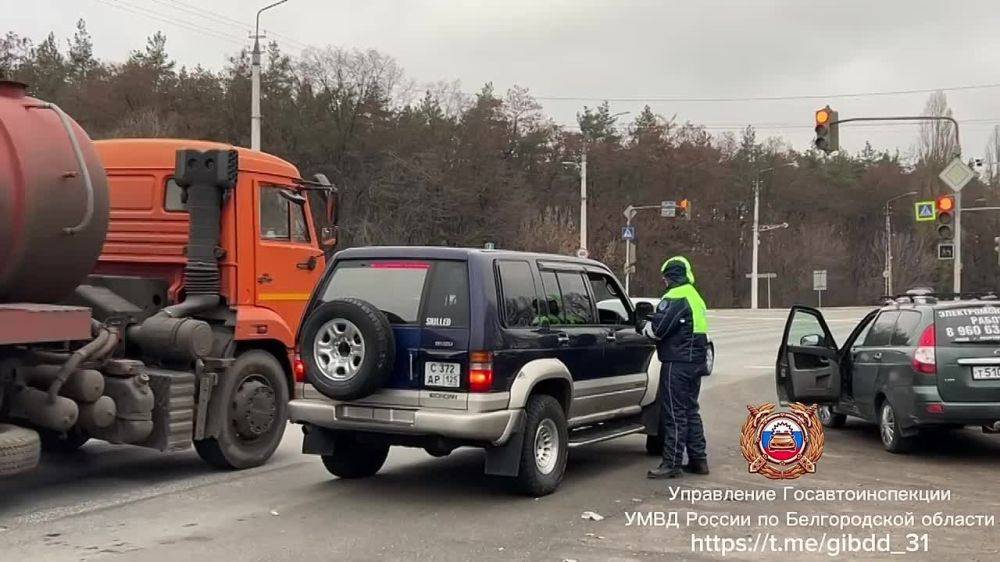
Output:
x,y
920,362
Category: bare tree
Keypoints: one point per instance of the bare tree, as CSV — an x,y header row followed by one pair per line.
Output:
x,y
551,230
992,160
937,138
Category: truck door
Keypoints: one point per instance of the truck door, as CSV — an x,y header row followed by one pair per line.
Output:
x,y
808,366
288,261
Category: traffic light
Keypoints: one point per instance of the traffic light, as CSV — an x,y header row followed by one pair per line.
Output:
x,y
945,210
684,209
996,247
827,130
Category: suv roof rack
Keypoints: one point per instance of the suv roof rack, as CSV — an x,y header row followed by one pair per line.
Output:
x,y
930,297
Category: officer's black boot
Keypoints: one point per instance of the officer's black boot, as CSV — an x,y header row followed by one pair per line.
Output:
x,y
697,466
665,470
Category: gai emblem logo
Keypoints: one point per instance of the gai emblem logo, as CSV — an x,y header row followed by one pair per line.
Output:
x,y
782,445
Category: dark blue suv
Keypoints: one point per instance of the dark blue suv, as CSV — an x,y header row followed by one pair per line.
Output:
x,y
441,348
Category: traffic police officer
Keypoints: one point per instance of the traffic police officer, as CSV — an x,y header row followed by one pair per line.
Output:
x,y
680,328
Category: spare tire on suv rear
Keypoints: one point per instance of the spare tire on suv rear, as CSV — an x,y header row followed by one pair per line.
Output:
x,y
348,348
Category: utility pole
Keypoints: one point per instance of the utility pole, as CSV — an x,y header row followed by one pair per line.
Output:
x,y
255,80
583,200
754,281
756,242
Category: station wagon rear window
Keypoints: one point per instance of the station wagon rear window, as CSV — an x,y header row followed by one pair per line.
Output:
x,y
399,287
970,324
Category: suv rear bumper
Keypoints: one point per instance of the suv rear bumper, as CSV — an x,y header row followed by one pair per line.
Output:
x,y
966,413
493,427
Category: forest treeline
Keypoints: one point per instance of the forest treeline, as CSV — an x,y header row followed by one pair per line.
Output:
x,y
430,164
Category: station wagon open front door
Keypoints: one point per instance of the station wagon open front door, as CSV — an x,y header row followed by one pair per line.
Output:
x,y
808,365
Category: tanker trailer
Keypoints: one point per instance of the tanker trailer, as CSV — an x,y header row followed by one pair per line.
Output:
x,y
53,221
80,356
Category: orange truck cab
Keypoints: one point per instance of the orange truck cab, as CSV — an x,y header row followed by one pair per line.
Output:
x,y
270,234
272,247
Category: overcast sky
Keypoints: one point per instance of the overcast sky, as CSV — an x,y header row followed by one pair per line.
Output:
x,y
616,49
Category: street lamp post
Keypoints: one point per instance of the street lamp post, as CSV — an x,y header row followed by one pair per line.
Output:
x,y
255,79
888,239
583,189
756,229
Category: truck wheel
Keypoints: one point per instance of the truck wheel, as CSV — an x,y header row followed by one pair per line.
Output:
x,y
545,449
251,400
20,449
69,442
348,349
355,459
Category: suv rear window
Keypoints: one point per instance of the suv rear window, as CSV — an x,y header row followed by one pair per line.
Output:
x,y
968,324
398,288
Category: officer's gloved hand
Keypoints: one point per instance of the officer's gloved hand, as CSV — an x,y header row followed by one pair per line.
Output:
x,y
647,330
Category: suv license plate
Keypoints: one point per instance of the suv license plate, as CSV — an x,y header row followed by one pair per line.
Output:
x,y
442,374
986,373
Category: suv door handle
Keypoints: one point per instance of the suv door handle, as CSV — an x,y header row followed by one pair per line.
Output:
x,y
563,339
877,355
611,338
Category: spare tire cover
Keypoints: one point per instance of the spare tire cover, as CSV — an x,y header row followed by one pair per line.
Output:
x,y
348,349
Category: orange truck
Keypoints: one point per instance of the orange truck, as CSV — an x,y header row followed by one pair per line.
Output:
x,y
151,290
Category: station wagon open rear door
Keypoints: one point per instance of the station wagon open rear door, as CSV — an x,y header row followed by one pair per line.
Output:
x,y
808,366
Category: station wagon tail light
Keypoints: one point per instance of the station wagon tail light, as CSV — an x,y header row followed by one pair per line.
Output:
x,y
299,369
924,360
480,371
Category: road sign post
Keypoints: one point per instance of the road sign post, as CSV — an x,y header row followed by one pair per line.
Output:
x,y
668,209
767,276
819,284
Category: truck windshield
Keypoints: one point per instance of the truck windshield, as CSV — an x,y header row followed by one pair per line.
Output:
x,y
968,324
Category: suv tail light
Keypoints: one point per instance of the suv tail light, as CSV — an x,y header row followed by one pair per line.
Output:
x,y
299,369
924,360
480,371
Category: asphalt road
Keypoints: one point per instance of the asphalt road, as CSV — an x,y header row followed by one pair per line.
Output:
x,y
121,503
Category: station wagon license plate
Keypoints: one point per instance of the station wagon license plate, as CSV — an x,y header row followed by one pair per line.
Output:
x,y
991,372
442,374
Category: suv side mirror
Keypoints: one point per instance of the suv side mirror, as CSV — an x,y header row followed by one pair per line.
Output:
x,y
643,310
811,340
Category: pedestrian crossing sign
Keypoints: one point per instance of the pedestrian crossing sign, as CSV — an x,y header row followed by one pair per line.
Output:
x,y
925,211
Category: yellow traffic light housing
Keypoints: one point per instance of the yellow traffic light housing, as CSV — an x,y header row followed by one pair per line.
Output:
x,y
684,208
827,130
945,208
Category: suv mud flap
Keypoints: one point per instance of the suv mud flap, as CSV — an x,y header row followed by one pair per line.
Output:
x,y
505,460
316,440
